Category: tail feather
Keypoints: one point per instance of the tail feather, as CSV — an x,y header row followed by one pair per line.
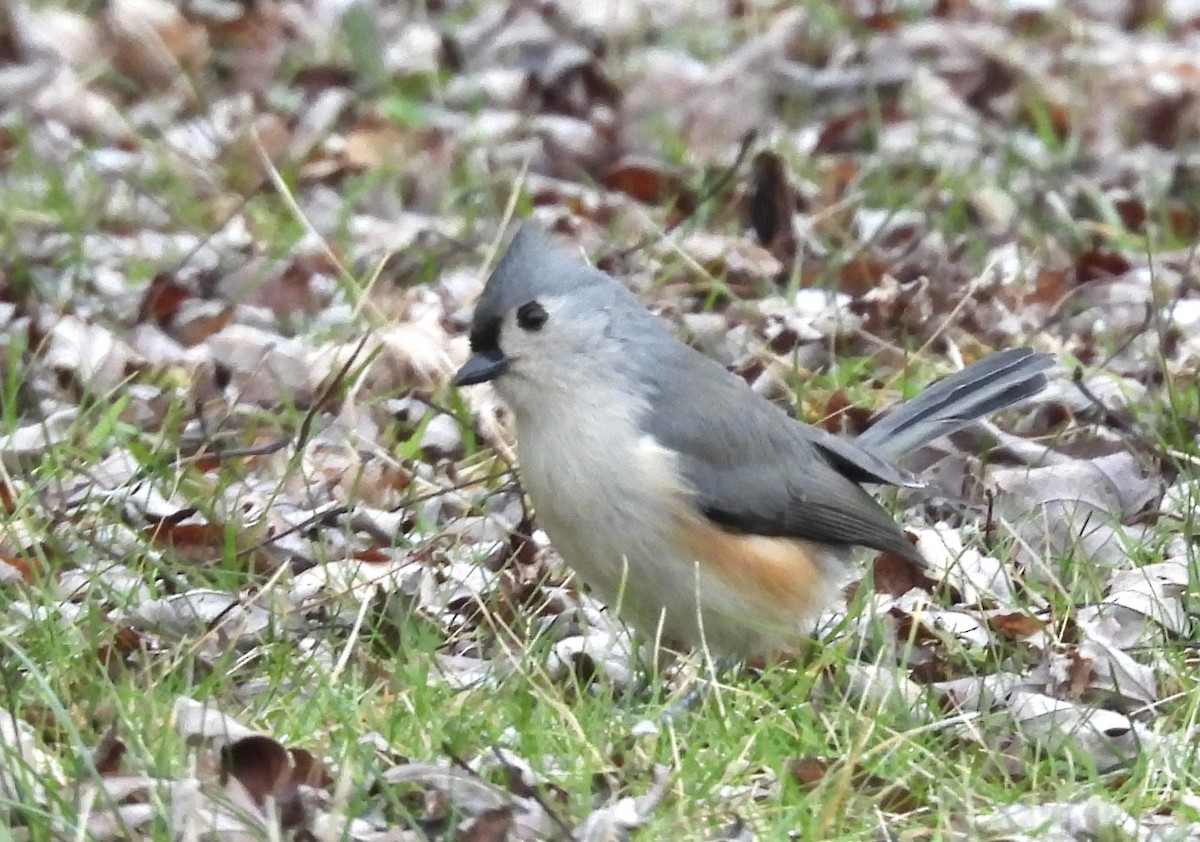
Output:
x,y
986,386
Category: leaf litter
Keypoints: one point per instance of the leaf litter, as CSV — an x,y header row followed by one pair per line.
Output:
x,y
736,182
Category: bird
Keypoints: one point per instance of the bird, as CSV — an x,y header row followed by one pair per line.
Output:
x,y
702,513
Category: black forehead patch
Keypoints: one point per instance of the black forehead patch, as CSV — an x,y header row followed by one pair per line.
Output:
x,y
485,334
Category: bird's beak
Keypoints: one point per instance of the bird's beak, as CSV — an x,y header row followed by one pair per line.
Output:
x,y
481,367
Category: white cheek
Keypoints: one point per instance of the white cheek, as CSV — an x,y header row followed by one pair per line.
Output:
x,y
536,359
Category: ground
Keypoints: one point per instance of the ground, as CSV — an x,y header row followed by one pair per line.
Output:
x,y
265,573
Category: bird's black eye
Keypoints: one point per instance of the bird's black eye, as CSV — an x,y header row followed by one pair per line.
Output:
x,y
531,316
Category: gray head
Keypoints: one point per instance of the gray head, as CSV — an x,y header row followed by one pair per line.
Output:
x,y
545,315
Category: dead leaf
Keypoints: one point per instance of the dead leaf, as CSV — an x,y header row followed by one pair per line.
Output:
x,y
491,826
154,43
896,576
1014,625
769,204
1074,507
807,770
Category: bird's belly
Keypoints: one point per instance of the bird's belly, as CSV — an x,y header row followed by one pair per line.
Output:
x,y
617,516
604,513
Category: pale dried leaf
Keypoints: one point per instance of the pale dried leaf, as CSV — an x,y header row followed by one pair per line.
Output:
x,y
200,722
196,814
106,580
616,821
62,34
1073,508
1093,818
877,685
116,823
203,611
27,770
31,441
90,353
1141,604
978,577
358,580
267,368
608,655
1106,738
399,357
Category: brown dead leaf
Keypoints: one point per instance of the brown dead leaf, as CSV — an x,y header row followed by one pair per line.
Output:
x,y
301,286
648,181
162,299
259,762
855,128
856,275
893,798
1051,286
861,273
1132,211
1079,675
1100,264
806,770
196,321
1015,625
1168,119
1183,221
264,143
839,415
171,533
114,654
8,502
372,142
266,769
153,43
491,826
372,555
256,40
837,175
1040,113
769,204
895,576
14,568
107,755
310,770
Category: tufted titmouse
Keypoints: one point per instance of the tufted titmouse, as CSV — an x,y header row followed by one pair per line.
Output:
x,y
700,511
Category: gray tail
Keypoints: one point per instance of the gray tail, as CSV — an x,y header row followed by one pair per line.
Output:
x,y
985,386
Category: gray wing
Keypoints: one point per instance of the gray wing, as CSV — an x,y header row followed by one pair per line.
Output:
x,y
754,469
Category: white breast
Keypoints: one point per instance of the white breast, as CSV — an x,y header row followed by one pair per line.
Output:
x,y
603,493
608,498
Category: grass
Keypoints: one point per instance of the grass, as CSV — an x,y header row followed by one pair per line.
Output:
x,y
751,732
